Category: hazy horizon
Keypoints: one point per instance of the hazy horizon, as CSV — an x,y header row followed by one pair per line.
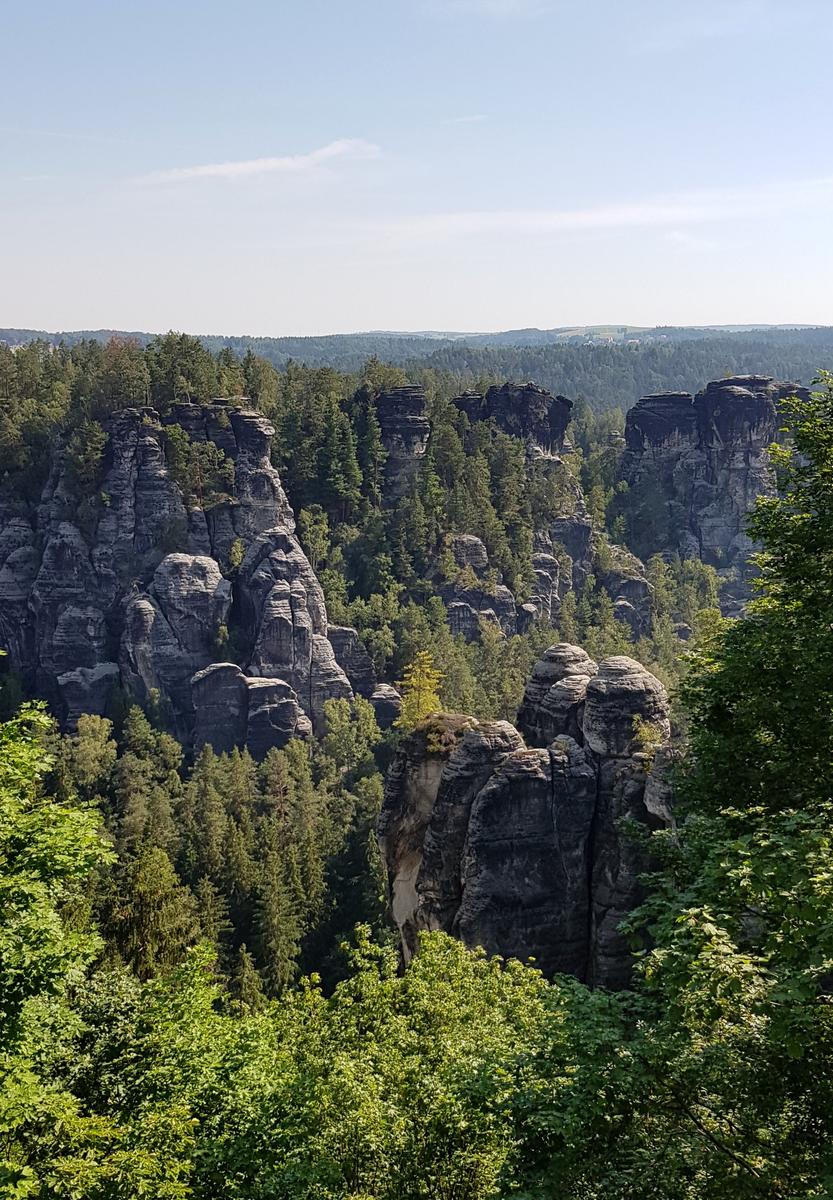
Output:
x,y
464,165
439,334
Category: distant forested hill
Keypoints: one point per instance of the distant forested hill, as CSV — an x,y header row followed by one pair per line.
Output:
x,y
609,374
608,366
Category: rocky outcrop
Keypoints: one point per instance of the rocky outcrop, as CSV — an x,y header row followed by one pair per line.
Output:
x,y
130,586
405,430
353,658
468,607
233,709
387,704
469,551
553,702
622,575
282,608
523,410
695,466
511,839
171,631
472,599
567,551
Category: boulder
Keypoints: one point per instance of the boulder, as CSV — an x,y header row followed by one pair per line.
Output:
x,y
387,704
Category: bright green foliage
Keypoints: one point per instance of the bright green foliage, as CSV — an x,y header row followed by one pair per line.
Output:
x,y
742,1047
181,369
47,847
419,691
156,921
314,532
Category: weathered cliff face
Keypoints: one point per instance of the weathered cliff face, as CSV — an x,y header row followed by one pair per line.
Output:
x,y
524,410
695,467
405,431
510,838
133,587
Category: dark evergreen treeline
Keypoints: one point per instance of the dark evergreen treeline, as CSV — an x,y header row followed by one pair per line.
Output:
x,y
271,864
607,373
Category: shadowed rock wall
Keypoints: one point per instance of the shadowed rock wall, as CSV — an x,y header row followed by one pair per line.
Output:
x,y
510,838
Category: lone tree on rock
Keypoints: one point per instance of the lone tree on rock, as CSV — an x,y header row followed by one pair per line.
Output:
x,y
419,691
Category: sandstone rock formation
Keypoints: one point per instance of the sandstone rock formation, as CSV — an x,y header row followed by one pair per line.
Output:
x,y
567,550
353,658
136,588
171,631
233,709
524,410
387,704
695,466
405,430
510,838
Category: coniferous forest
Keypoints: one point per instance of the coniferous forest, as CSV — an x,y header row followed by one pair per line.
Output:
x,y
207,985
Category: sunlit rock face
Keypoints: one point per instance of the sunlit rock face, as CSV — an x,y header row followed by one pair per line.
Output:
x,y
405,430
141,589
695,465
511,839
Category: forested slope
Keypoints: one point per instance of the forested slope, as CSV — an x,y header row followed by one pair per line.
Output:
x,y
130,1069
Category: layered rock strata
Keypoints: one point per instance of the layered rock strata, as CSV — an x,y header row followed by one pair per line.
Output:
x,y
405,431
695,466
511,838
139,588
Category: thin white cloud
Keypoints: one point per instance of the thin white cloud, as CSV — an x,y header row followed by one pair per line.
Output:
x,y
471,119
347,149
717,22
672,212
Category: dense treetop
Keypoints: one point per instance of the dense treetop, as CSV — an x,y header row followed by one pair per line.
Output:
x,y
609,368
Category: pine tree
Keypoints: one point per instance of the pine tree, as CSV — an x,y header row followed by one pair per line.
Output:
x,y
420,694
277,926
370,452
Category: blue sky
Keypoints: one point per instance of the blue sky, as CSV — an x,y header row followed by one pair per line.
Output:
x,y
337,165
